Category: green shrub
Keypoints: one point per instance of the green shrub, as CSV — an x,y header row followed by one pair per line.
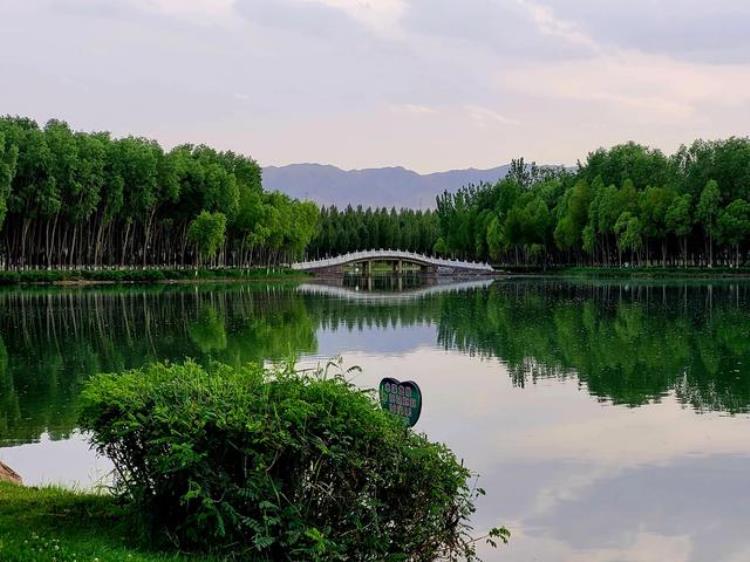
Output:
x,y
9,278
280,466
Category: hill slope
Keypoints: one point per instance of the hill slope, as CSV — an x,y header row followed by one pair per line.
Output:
x,y
377,187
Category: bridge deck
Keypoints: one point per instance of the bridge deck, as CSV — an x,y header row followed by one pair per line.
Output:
x,y
391,255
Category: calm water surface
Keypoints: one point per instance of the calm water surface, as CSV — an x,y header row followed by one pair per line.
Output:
x,y
609,422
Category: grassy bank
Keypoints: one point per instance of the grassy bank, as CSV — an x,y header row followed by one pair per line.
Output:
x,y
148,275
655,272
652,272
51,524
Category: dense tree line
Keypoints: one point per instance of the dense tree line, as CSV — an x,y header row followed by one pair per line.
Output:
x,y
353,229
626,205
73,199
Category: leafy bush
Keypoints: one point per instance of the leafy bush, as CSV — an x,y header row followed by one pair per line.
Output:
x,y
9,278
279,465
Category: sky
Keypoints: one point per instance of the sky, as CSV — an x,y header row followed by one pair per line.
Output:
x,y
426,84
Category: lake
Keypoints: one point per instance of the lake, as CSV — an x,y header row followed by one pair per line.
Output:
x,y
608,420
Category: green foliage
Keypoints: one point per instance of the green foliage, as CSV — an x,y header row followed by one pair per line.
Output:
x,y
708,205
574,215
8,159
733,222
678,217
628,162
628,203
277,465
733,225
72,199
207,233
629,231
352,229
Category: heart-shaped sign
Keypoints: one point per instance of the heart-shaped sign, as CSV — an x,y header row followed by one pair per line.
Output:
x,y
403,399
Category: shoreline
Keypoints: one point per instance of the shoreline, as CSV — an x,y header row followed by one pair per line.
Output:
x,y
646,273
168,276
148,276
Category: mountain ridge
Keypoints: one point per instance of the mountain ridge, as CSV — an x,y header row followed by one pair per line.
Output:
x,y
387,186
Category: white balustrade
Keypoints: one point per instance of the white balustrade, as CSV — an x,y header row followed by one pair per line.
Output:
x,y
388,255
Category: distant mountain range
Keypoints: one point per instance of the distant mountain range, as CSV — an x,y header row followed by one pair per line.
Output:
x,y
377,187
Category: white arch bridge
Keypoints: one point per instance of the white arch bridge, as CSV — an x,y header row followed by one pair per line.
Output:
x,y
363,262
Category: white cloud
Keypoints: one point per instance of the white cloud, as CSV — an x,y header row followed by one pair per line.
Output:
x,y
485,117
742,556
646,547
549,24
198,11
664,89
380,15
569,486
414,109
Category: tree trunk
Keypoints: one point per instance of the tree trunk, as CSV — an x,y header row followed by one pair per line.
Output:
x,y
24,233
124,245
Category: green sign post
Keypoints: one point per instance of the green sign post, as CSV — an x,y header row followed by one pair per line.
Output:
x,y
403,399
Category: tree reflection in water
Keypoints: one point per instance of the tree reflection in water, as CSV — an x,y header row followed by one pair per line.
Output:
x,y
630,345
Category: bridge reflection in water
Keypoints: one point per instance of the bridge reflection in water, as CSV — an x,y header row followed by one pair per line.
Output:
x,y
384,282
388,288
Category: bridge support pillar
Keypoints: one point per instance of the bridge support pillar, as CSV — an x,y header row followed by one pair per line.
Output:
x,y
397,267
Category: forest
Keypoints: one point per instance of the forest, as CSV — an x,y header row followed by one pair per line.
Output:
x,y
627,205
73,199
352,229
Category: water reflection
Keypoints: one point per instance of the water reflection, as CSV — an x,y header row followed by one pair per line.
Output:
x,y
630,345
558,464
387,283
627,345
51,341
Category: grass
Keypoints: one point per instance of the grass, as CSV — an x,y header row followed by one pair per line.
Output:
x,y
614,272
147,275
656,272
57,525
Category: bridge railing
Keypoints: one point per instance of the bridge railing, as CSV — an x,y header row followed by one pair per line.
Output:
x,y
390,255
